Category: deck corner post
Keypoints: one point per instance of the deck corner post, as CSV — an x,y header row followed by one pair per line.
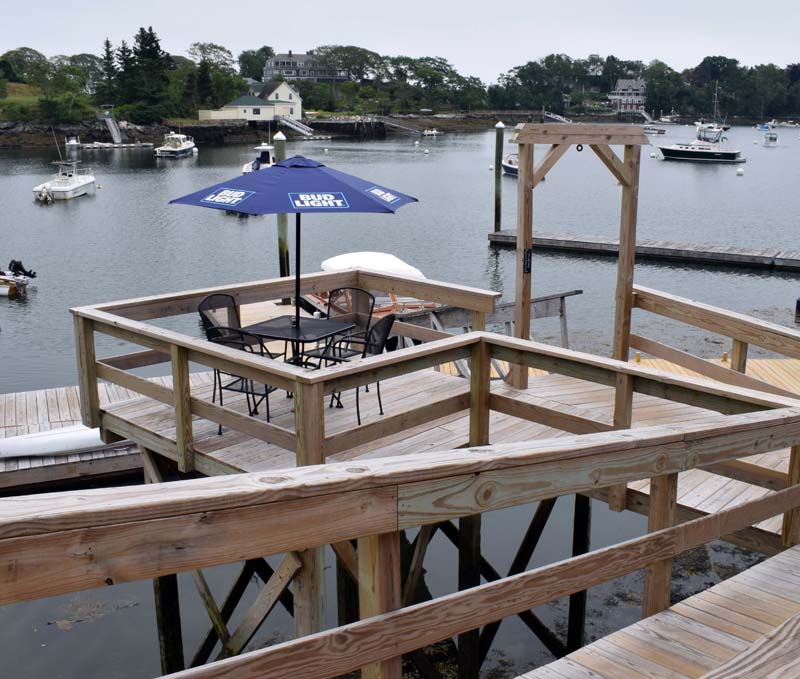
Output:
x,y
739,356
379,591
790,533
309,585
662,514
479,389
182,394
518,376
87,371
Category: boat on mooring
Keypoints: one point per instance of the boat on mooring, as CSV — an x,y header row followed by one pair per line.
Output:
x,y
433,132
265,158
176,145
708,147
771,139
69,182
510,164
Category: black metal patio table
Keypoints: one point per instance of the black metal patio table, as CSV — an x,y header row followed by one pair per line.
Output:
x,y
283,329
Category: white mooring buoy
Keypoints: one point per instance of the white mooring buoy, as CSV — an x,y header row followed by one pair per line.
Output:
x,y
653,154
491,167
740,172
427,151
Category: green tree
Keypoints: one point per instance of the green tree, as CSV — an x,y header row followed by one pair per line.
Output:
x,y
251,62
126,87
151,67
216,56
205,85
106,88
29,65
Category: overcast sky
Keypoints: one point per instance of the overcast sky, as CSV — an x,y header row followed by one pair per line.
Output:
x,y
482,39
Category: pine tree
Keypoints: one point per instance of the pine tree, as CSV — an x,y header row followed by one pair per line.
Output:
x,y
105,91
205,86
152,64
126,74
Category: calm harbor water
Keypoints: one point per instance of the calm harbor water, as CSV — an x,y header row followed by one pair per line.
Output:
x,y
127,241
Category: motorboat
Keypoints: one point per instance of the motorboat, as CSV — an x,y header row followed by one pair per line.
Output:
x,y
771,139
708,147
433,132
510,164
69,182
14,280
72,142
176,145
652,129
787,123
265,158
671,119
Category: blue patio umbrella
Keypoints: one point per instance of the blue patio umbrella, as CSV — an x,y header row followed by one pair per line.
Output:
x,y
297,185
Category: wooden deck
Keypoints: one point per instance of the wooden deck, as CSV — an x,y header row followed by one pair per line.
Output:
x,y
744,627
725,255
699,492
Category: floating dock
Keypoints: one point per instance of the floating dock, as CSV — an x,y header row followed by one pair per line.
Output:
x,y
102,146
722,255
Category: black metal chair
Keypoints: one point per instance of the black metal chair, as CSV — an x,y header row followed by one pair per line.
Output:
x,y
235,338
219,310
354,305
374,345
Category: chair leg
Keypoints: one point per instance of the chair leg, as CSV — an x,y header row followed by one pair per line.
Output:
x,y
380,404
219,429
251,393
266,400
358,408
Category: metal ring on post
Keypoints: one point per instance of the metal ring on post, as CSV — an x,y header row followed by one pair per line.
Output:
x,y
579,147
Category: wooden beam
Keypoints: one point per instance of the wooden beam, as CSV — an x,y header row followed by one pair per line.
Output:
x,y
415,567
581,540
576,133
379,592
623,415
704,367
182,394
548,416
469,576
663,514
551,157
338,651
212,609
264,603
610,159
745,328
87,371
747,472
518,375
348,557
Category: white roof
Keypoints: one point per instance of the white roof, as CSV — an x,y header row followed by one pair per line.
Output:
x,y
377,261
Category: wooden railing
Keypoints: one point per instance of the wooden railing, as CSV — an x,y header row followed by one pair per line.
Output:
x,y
72,541
124,320
743,331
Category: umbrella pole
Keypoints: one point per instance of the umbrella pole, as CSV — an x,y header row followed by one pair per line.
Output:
x,y
297,270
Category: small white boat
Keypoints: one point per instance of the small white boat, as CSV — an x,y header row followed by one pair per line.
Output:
x,y
771,139
671,119
511,164
433,132
73,142
265,158
788,123
652,129
68,182
176,146
13,286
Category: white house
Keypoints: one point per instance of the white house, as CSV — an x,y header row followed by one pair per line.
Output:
x,y
277,99
629,94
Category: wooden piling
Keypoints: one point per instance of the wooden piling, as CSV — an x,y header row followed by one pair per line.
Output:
x,y
662,514
581,534
499,134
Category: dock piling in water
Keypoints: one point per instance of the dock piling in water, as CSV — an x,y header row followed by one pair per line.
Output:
x,y
283,220
498,175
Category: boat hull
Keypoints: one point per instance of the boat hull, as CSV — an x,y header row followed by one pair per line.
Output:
x,y
510,170
688,155
63,193
175,153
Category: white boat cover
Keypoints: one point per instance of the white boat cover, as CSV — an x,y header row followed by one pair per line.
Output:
x,y
377,261
65,441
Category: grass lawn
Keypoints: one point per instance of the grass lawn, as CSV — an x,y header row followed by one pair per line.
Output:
x,y
20,93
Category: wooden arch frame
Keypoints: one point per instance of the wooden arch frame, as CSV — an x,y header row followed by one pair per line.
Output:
x,y
599,138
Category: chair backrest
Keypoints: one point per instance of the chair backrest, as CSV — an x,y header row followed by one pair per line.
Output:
x,y
352,304
235,338
378,334
219,310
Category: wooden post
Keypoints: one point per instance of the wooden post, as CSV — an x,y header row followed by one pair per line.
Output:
x,y
87,371
309,584
499,133
469,527
182,393
623,304
662,514
165,592
581,538
379,591
739,356
518,377
283,220
790,534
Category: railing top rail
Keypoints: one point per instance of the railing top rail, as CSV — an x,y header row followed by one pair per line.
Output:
x,y
721,321
69,510
183,302
161,338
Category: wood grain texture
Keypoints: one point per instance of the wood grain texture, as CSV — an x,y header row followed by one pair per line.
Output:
x,y
87,370
518,376
663,513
